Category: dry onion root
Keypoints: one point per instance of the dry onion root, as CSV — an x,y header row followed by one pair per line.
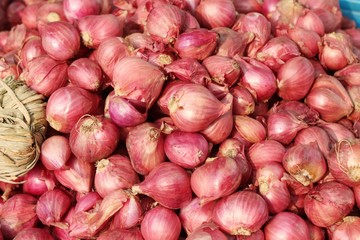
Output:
x,y
22,128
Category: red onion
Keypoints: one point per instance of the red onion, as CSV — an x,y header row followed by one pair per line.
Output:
x,y
307,40
197,43
354,34
16,38
96,28
309,20
266,152
170,89
86,202
143,83
168,184
52,207
243,102
224,10
356,191
249,129
257,78
271,188
344,163
349,74
348,228
121,234
114,172
329,98
16,214
294,186
188,69
66,105
159,59
222,70
191,116
258,235
145,146
354,93
86,74
29,16
78,176
45,75
241,213
337,132
287,225
187,150
331,18
34,234
55,152
248,6
164,23
257,24
39,180
31,49
277,51
216,178
13,12
7,69
160,223
142,41
335,51
74,10
316,233
130,215
51,12
207,231
327,203
93,138
194,214
60,40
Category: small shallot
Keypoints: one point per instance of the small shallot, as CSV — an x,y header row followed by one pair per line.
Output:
x,y
346,229
130,215
39,180
34,234
74,10
224,10
266,151
207,230
55,152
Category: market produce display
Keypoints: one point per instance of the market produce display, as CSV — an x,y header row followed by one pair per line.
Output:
x,y
179,119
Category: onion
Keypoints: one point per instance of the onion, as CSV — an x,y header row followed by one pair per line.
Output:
x,y
241,213
271,188
257,78
96,28
198,43
141,42
39,180
337,132
307,40
349,74
315,134
343,162
354,34
327,203
34,234
356,191
266,151
85,202
187,150
194,214
207,231
55,152
60,39
31,49
93,138
114,172
74,10
296,188
249,129
45,75
51,12
331,18
13,12
224,10
248,6
160,223
316,233
243,101
310,20
216,178
29,16
287,225
18,213
121,234
329,98
168,184
145,146
52,207
130,215
15,39
346,229
78,176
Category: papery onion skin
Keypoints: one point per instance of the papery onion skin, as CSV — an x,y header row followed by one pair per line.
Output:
x,y
346,229
243,101
349,74
168,184
31,49
55,152
249,128
33,234
241,213
74,10
310,21
160,223
207,230
51,12
130,215
287,225
307,40
39,180
327,203
265,152
121,234
316,233
225,10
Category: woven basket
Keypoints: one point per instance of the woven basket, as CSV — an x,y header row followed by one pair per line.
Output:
x,y
22,128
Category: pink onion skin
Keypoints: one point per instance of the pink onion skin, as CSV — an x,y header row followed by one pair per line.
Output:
x,y
160,223
145,146
349,74
55,152
258,235
248,6
216,178
224,10
34,234
316,233
250,129
74,10
343,162
168,184
130,215
66,105
28,15
194,214
266,152
31,49
52,207
121,234
78,176
93,138
241,213
207,230
96,28
347,228
354,93
45,75
60,40
114,172
187,150
356,191
337,132
197,43
243,101
169,91
190,116
310,21
327,203
85,202
18,213
287,225
39,180
51,12
307,40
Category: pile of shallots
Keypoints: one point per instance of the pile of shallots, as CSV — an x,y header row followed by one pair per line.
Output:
x,y
187,119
